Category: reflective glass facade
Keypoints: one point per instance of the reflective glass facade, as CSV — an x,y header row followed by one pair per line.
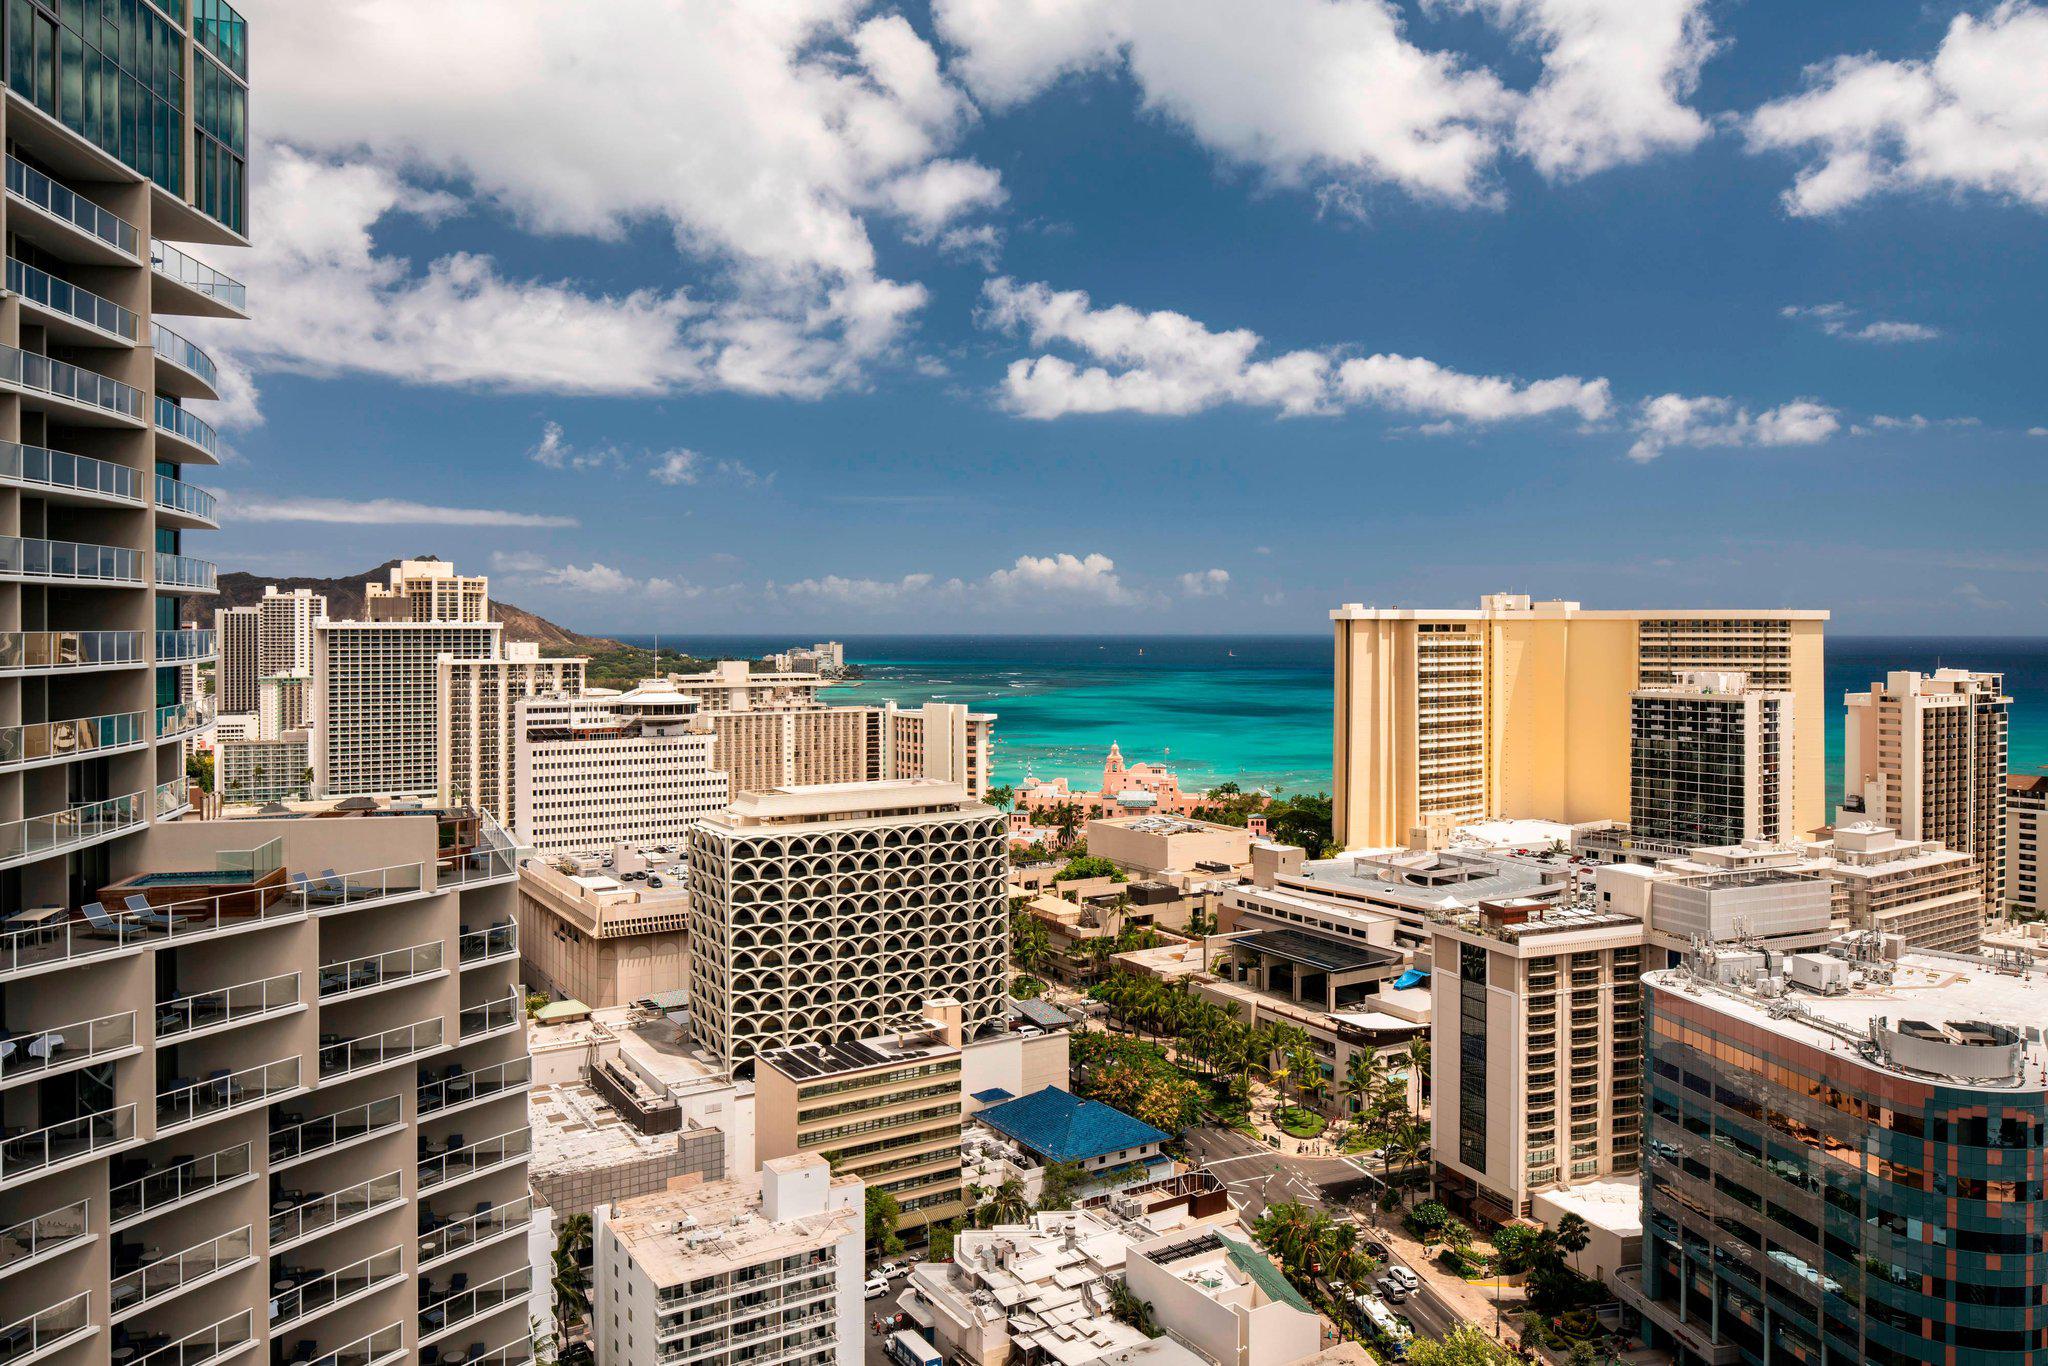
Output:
x,y
1799,1206
1472,1056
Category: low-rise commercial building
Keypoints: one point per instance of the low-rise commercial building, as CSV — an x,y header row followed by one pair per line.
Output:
x,y
1153,844
589,933
1930,896
1021,1137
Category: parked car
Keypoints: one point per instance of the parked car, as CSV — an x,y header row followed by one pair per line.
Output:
x,y
654,879
1408,1279
878,1286
1376,1251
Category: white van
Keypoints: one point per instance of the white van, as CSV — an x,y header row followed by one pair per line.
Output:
x,y
878,1286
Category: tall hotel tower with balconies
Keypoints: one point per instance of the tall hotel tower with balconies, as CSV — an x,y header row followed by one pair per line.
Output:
x,y
262,1075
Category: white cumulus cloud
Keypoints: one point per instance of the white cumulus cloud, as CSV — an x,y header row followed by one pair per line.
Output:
x,y
1412,384
1678,420
1205,583
1837,319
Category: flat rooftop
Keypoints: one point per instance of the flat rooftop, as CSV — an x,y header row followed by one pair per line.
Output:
x,y
810,1061
802,801
1421,881
716,1227
576,1130
1318,951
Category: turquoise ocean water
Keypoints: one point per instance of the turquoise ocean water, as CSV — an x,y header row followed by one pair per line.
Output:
x,y
1257,709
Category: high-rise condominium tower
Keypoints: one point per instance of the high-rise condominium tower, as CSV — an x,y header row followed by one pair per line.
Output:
x,y
261,1096
284,629
1521,708
1710,762
428,590
476,713
1925,755
237,670
828,913
2026,822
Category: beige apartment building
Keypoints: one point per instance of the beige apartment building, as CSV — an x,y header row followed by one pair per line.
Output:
x,y
1924,754
476,711
1931,896
804,743
376,701
2026,821
588,936
1522,708
820,914
428,590
284,629
734,685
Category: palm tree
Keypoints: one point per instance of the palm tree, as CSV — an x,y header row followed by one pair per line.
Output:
x,y
1309,1082
1005,1205
571,1278
1066,818
1361,1079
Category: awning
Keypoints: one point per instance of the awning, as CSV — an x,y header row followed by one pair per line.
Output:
x,y
1411,978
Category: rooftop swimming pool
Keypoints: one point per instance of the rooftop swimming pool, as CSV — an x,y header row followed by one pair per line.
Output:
x,y
212,877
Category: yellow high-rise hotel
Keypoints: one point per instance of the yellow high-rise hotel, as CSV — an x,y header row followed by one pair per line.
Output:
x,y
1521,708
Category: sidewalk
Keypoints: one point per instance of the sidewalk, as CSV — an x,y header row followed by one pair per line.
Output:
x,y
1472,1301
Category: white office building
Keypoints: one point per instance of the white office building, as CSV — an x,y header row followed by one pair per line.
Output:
x,y
376,701
477,705
284,629
631,768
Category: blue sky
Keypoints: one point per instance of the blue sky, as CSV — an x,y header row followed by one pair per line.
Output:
x,y
1132,316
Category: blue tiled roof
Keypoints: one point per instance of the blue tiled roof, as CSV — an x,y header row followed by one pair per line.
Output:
x,y
1064,1128
992,1095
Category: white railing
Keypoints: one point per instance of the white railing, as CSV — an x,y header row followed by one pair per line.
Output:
x,y
452,1311
492,941
440,1169
70,739
167,1274
460,1086
39,835
38,1050
168,261
31,186
27,370
172,797
331,1131
196,1100
225,1005
45,1232
379,1192
379,969
316,1294
45,290
180,717
46,1328
208,1344
171,1186
494,856
345,1056
45,468
187,426
364,1350
450,1238
182,571
491,1015
22,1154
176,645
330,891
513,1353
70,561
182,353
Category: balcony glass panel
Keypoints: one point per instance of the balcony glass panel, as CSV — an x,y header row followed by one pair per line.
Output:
x,y
180,352
339,1057
45,468
322,1288
182,571
26,370
166,260
44,1233
36,559
440,1168
175,495
28,1051
490,942
223,1091
364,1350
27,183
380,969
378,1192
226,1005
454,1085
208,1344
167,1274
444,1238
451,1311
45,1329
482,1019
176,645
22,1154
168,1186
180,717
61,296
305,1137
69,739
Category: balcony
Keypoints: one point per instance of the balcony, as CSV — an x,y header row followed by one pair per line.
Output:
x,y
174,647
492,944
27,1339
208,1012
455,1088
39,1052
515,1353
166,1188
80,223
361,976
56,742
182,369
171,420
172,1275
491,1017
53,652
441,1238
62,477
28,560
494,857
315,1291
319,1213
460,1307
182,718
71,314
385,1345
192,1102
181,504
41,1150
298,1138
88,395
183,284
344,1057
460,1163
172,798
44,1236
209,1344
184,573
332,893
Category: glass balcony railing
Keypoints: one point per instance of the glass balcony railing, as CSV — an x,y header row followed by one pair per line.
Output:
x,y
378,969
167,261
303,1221
186,427
455,1086
69,739
227,1005
452,1311
304,1138
27,1052
446,1239
211,1343
515,1353
29,650
182,571
61,296
28,184
377,1346
188,1101
27,370
332,892
495,856
172,797
169,1274
45,468
438,1169
325,1288
340,1057
31,1152
41,1331
45,1233
24,557
180,718
488,1017
60,830
169,1187
493,941
183,354
173,646
175,495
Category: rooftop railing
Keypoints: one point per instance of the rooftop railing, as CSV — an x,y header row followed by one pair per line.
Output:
x,y
344,1056
187,1102
172,646
379,969
183,571
60,830
172,1273
307,1137
40,1331
301,1221
186,426
183,354
167,261
31,1152
29,558
211,1343
458,1087
31,186
27,370
364,1350
169,1187
69,739
445,1240
45,1233
61,296
38,1050
45,468
330,1287
227,1005
439,1169
175,495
